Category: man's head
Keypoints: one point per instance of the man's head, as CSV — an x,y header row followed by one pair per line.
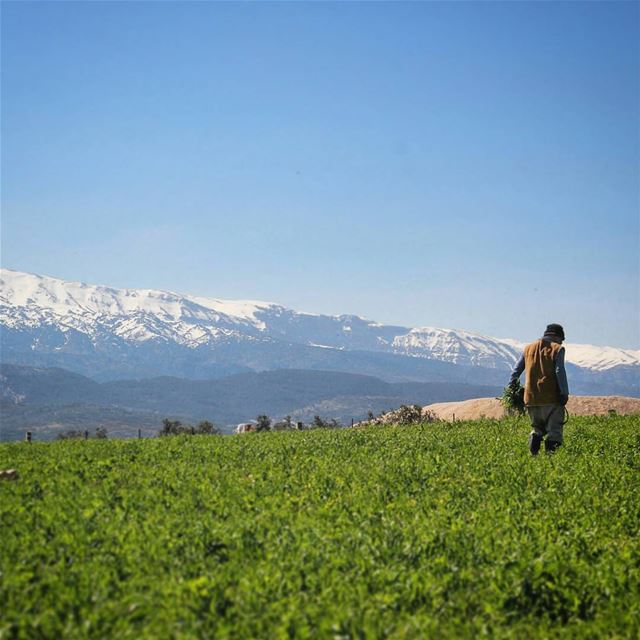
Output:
x,y
554,331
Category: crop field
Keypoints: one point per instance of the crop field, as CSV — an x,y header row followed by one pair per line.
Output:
x,y
428,531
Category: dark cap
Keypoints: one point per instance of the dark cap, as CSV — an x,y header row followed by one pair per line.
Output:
x,y
555,330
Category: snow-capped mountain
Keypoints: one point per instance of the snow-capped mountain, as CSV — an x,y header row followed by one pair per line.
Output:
x,y
133,314
459,347
115,333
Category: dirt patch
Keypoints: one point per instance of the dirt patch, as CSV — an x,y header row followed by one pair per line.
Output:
x,y
491,407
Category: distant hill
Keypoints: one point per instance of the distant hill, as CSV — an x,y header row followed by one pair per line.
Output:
x,y
45,422
50,400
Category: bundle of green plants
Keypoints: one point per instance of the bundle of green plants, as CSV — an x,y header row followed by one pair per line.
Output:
x,y
513,398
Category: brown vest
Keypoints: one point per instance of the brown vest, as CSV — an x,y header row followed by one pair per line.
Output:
x,y
541,386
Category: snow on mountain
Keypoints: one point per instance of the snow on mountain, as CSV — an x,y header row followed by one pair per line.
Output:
x,y
456,346
462,347
601,358
62,298
589,356
139,316
136,315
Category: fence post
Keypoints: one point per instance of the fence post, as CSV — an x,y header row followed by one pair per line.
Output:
x,y
454,417
28,437
139,434
86,435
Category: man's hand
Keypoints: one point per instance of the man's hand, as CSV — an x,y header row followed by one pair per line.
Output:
x,y
564,399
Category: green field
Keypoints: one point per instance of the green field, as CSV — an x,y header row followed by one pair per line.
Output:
x,y
428,531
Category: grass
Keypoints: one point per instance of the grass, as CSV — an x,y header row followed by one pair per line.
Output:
x,y
435,530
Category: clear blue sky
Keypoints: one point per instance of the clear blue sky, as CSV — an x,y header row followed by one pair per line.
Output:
x,y
467,165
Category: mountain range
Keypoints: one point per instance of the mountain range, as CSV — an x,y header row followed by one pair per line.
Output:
x,y
113,334
49,400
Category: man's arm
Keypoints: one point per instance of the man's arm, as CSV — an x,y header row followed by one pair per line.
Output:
x,y
561,374
517,370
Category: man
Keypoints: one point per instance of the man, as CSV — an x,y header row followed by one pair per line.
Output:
x,y
546,390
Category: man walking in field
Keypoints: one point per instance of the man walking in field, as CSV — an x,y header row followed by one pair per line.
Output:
x,y
546,390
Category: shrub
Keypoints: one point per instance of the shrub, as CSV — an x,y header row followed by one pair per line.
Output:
x,y
71,434
175,428
263,423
